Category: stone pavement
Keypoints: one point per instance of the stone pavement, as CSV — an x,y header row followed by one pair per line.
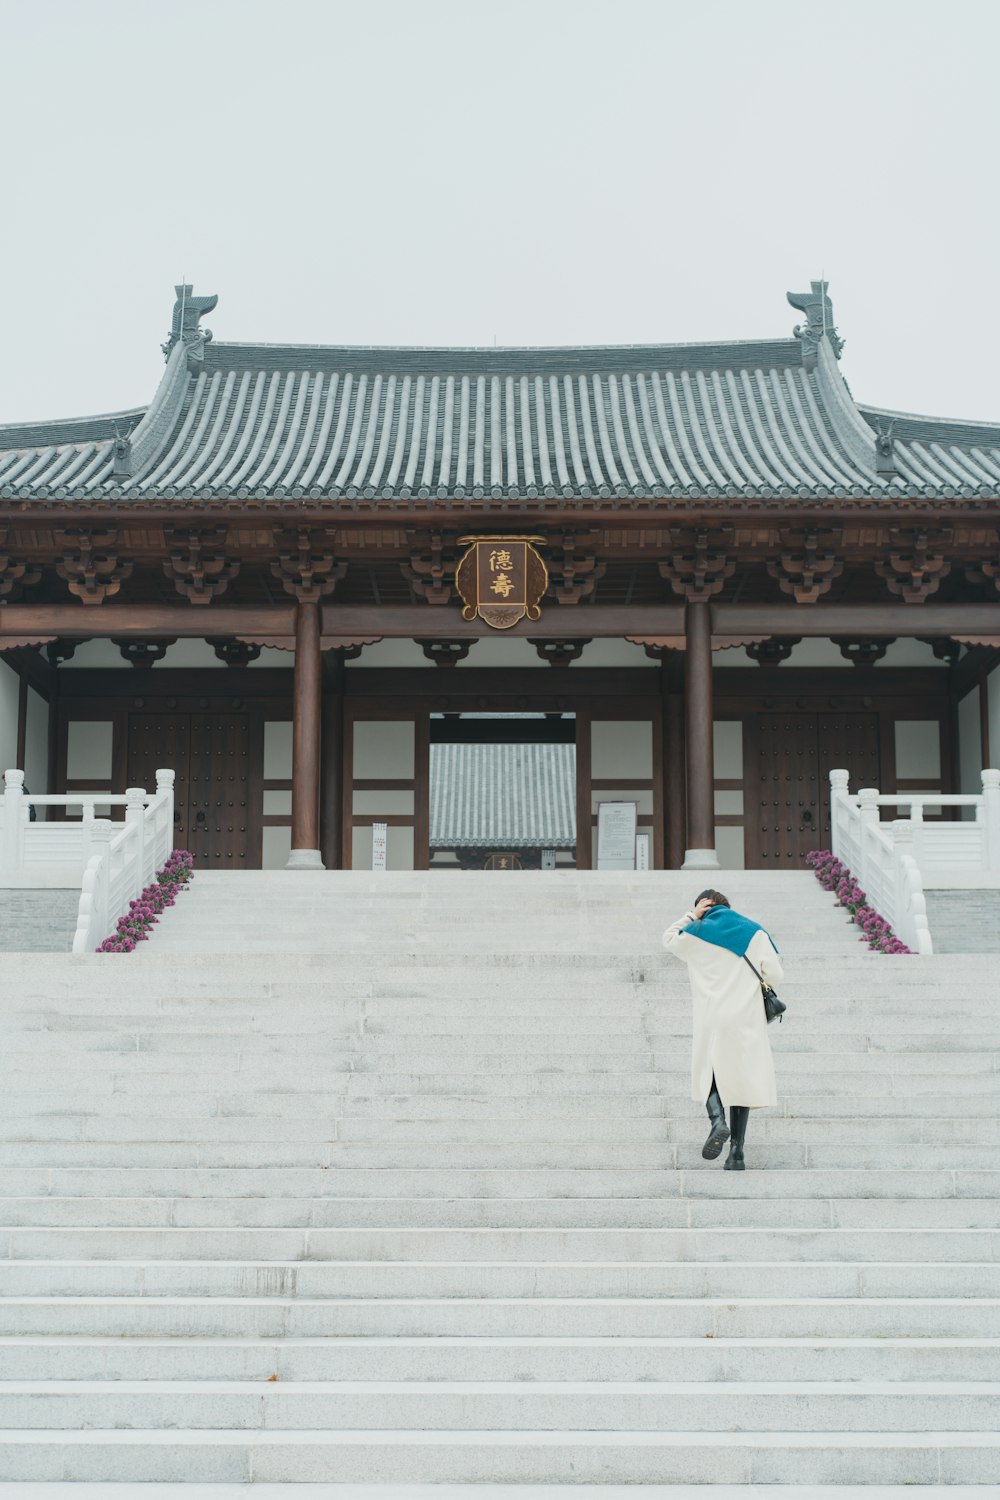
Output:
x,y
352,1178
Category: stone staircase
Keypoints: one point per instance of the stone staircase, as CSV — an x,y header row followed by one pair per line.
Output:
x,y
394,1178
36,920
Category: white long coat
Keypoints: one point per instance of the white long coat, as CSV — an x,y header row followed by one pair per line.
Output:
x,y
729,1035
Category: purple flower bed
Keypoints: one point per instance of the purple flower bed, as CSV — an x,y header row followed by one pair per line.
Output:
x,y
836,877
134,926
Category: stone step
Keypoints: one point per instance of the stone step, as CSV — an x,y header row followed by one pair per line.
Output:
x,y
407,1457
897,1360
711,1211
524,1279
453,1246
512,1156
318,1091
703,1317
217,1136
523,1406
430,1182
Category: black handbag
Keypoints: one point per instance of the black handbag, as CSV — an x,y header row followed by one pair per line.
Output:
x,y
774,1008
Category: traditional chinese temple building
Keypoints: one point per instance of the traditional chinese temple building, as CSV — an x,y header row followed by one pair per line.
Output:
x,y
301,573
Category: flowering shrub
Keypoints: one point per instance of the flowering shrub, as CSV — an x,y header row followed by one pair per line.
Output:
x,y
134,926
836,877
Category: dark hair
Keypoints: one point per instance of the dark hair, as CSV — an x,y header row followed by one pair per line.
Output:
x,y
716,898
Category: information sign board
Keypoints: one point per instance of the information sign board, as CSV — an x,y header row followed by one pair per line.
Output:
x,y
380,845
616,835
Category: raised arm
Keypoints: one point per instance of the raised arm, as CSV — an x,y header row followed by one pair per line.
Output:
x,y
675,940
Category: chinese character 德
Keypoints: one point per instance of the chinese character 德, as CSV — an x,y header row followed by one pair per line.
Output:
x,y
500,559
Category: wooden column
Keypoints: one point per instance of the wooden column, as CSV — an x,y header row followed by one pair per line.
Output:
x,y
332,775
698,713
674,800
306,735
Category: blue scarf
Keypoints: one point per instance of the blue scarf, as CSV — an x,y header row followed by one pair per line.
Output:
x,y
726,929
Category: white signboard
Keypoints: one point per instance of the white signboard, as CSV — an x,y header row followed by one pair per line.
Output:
x,y
642,851
616,835
380,845
548,859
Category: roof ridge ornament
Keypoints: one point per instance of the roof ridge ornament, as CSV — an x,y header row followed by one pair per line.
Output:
x,y
188,310
885,453
819,322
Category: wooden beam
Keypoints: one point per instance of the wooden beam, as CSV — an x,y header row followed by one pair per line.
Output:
x,y
856,619
430,622
83,622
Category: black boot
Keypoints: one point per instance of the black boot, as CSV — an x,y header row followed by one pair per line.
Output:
x,y
739,1114
719,1133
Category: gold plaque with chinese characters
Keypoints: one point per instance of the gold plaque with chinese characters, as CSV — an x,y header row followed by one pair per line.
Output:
x,y
501,579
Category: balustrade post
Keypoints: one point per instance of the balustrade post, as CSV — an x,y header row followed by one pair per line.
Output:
x,y
868,798
916,826
991,817
839,782
908,917
165,788
12,848
135,816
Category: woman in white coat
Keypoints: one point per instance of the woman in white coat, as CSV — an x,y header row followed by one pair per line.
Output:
x,y
730,1051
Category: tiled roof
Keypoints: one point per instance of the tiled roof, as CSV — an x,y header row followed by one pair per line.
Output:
x,y
503,796
260,421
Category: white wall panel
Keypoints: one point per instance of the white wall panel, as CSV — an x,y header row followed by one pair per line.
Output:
x,y
641,797
375,804
276,847
8,717
278,804
918,748
727,737
729,847
384,749
399,854
361,848
89,749
621,748
278,750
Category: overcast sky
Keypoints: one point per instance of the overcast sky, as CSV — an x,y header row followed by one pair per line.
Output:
x,y
525,171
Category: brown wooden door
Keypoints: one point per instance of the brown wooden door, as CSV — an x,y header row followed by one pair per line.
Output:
x,y
847,742
158,741
791,757
210,757
787,785
219,817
